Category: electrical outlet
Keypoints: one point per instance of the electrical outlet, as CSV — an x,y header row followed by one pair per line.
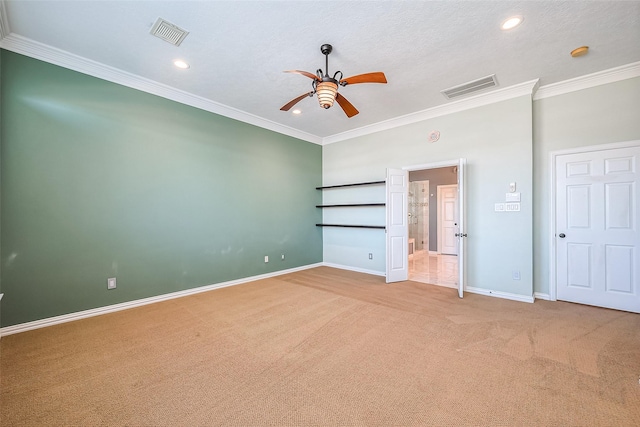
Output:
x,y
515,275
370,256
283,257
111,283
266,258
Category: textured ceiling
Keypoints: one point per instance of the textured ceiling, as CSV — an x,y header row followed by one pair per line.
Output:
x,y
238,49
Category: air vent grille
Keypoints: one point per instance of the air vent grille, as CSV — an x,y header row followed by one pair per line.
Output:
x,y
168,32
471,87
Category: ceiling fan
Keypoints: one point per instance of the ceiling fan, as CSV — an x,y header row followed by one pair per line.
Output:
x,y
327,87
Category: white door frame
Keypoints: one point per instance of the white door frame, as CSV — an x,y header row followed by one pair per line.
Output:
x,y
553,284
461,164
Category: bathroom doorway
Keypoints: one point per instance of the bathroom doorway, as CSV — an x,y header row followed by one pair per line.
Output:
x,y
428,262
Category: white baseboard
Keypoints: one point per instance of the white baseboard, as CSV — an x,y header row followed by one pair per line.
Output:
x,y
356,269
540,295
498,294
43,323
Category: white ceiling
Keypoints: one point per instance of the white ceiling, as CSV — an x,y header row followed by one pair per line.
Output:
x,y
239,49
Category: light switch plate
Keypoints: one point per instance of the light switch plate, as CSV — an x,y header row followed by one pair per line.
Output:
x,y
499,207
512,207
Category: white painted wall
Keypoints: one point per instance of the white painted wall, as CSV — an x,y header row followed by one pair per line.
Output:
x,y
496,140
598,115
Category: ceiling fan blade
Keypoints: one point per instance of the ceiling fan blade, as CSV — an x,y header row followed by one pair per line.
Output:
x,y
294,101
348,108
304,73
377,77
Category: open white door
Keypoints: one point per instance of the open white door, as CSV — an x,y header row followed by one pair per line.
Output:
x,y
397,226
461,234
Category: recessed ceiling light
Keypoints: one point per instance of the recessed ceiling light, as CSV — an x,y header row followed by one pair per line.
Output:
x,y
512,22
296,112
180,64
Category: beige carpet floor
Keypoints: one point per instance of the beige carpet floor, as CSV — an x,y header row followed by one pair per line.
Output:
x,y
326,347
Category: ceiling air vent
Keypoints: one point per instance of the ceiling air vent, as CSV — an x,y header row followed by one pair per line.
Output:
x,y
168,32
471,87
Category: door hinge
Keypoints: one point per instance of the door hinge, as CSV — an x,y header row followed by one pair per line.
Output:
x,y
461,234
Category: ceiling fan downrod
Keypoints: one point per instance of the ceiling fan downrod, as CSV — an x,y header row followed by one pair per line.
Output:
x,y
326,49
326,87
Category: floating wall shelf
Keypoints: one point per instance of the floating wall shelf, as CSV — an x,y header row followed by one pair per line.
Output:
x,y
352,185
382,227
350,205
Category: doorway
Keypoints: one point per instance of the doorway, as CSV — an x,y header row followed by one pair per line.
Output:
x,y
433,212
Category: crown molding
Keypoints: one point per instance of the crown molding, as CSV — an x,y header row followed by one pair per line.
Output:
x,y
46,53
4,21
522,89
611,75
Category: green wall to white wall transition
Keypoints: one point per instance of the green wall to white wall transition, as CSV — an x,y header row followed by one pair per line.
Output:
x,y
496,140
99,180
599,115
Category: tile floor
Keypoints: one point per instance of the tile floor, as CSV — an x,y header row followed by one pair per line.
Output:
x,y
434,269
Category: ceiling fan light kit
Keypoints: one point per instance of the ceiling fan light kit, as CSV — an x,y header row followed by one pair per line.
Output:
x,y
326,87
326,92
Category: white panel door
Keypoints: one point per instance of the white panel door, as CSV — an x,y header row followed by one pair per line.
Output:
x,y
447,219
397,226
597,237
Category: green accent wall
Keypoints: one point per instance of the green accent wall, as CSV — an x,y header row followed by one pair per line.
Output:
x,y
99,180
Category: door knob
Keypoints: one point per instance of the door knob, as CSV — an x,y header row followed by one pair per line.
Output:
x,y
561,235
